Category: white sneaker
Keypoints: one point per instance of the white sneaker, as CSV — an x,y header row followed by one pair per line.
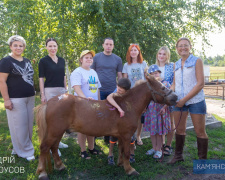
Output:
x,y
58,152
62,145
30,158
13,152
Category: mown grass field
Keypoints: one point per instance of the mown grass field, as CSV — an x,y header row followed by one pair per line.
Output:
x,y
97,167
217,73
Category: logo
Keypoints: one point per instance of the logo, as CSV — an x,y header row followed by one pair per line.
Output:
x,y
93,85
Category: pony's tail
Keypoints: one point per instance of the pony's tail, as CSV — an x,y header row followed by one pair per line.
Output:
x,y
40,112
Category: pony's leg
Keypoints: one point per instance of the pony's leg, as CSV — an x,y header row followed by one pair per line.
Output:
x,y
126,163
44,157
58,164
41,170
120,155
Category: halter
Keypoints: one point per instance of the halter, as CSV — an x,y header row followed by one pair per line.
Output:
x,y
153,92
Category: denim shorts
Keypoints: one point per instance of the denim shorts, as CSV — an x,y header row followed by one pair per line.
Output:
x,y
197,108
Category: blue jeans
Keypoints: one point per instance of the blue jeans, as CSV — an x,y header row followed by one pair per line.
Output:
x,y
197,108
104,94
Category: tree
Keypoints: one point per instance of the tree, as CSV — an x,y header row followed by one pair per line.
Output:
x,y
83,24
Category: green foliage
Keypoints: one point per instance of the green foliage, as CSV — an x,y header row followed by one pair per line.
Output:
x,y
215,61
83,24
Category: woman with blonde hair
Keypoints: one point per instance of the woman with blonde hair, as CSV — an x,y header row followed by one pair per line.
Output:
x,y
166,68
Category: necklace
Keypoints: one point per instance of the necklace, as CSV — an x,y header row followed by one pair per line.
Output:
x,y
54,58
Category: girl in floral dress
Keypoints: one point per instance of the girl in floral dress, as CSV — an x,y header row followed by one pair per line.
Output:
x,y
153,121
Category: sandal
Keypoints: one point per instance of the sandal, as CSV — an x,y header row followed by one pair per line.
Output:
x,y
157,155
150,152
132,159
94,151
139,143
85,155
111,161
167,150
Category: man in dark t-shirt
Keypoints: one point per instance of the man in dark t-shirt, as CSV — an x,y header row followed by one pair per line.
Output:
x,y
108,66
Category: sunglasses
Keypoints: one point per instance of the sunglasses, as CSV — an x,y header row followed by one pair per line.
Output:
x,y
134,44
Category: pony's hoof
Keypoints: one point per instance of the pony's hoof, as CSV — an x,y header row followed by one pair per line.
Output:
x,y
134,173
43,176
61,168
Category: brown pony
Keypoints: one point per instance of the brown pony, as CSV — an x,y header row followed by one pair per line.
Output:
x,y
96,118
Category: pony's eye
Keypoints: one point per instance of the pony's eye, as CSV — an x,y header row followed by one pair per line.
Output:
x,y
163,88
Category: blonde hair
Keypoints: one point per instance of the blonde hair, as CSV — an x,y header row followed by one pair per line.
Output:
x,y
166,49
16,38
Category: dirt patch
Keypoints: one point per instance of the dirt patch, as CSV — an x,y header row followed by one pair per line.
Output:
x,y
214,90
216,107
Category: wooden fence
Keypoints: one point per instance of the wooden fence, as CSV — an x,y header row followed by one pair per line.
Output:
x,y
215,91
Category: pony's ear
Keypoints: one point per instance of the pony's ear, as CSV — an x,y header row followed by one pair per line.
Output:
x,y
148,76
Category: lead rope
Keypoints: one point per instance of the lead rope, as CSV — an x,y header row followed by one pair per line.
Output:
x,y
174,122
153,92
163,124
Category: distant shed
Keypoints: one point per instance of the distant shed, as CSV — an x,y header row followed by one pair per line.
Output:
x,y
206,72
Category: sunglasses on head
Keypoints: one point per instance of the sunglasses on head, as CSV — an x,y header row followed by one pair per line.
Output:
x,y
134,44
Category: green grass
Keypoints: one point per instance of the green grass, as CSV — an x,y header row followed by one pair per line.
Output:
x,y
217,73
97,167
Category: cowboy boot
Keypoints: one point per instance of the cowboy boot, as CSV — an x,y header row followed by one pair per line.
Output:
x,y
179,149
202,148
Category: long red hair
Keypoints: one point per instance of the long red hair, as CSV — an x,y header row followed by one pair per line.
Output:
x,y
129,58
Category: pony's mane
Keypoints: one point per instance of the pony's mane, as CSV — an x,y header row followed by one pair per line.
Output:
x,y
131,92
138,87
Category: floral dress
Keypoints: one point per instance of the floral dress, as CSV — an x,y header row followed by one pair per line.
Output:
x,y
153,120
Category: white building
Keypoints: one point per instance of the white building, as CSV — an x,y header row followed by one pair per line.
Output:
x,y
206,72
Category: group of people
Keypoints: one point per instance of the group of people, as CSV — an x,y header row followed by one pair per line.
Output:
x,y
103,76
